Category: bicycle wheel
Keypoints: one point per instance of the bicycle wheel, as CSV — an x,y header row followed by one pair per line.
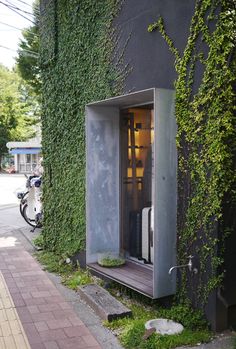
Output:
x,y
29,220
23,201
39,220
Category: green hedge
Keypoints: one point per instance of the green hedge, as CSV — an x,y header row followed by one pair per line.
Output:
x,y
76,47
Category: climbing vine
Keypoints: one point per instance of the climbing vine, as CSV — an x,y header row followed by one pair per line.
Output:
x,y
77,43
205,113
76,46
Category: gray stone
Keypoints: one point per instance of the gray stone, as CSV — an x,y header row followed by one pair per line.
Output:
x,y
164,326
104,305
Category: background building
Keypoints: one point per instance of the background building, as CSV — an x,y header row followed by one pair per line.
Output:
x,y
26,155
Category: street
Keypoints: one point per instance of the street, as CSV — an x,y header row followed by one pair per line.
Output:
x,y
10,184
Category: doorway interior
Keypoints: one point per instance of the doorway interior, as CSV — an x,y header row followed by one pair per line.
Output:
x,y
137,173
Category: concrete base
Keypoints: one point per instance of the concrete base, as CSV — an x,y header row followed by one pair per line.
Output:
x,y
104,305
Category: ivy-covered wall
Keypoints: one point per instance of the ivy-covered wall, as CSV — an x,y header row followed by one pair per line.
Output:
x,y
189,46
75,59
206,139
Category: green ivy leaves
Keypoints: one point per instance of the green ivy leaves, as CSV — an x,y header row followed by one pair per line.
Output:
x,y
206,135
78,72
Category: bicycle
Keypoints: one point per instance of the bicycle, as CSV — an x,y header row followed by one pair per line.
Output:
x,y
30,202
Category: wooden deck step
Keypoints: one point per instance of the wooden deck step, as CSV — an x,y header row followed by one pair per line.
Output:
x,y
133,275
101,301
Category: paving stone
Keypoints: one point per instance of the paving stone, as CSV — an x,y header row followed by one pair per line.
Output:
x,y
41,326
48,307
51,345
12,335
59,323
42,316
76,331
72,343
51,335
75,321
101,301
60,314
34,313
90,340
33,309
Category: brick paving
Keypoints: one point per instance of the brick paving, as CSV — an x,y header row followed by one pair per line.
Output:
x,y
41,313
12,334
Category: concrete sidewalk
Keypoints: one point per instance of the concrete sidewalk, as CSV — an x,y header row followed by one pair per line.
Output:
x,y
35,310
47,319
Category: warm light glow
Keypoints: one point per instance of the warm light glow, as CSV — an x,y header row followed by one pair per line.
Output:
x,y
139,172
152,126
129,172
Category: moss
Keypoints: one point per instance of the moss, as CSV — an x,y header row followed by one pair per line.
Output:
x,y
111,261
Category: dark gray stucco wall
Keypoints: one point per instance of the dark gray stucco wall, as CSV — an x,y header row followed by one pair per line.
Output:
x,y
151,64
148,55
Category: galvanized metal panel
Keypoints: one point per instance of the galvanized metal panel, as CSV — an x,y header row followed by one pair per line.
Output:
x,y
129,100
102,198
165,194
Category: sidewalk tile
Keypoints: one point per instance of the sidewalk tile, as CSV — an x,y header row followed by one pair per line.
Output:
x,y
42,316
51,335
12,335
41,326
59,323
47,320
51,345
10,343
90,340
72,343
76,331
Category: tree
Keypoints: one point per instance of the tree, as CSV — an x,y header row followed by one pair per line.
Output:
x,y
17,110
28,53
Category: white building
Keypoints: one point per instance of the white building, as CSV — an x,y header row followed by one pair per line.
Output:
x,y
26,154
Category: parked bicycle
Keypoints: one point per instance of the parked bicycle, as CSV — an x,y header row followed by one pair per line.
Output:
x,y
31,201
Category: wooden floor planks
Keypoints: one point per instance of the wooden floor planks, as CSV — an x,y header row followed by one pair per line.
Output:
x,y
132,275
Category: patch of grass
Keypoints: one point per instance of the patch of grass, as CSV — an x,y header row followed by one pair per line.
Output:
x,y
111,262
133,333
131,330
39,241
72,275
54,263
78,278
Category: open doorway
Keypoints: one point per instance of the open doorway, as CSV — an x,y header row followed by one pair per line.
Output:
x,y
136,156
131,196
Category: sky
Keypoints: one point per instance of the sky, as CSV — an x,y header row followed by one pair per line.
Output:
x,y
10,37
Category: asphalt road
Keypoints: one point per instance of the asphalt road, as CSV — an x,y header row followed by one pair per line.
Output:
x,y
10,184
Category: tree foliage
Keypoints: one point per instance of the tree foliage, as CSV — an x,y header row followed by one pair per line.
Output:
x,y
17,110
27,60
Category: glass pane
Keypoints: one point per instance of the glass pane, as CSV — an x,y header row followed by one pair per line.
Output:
x,y
28,158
